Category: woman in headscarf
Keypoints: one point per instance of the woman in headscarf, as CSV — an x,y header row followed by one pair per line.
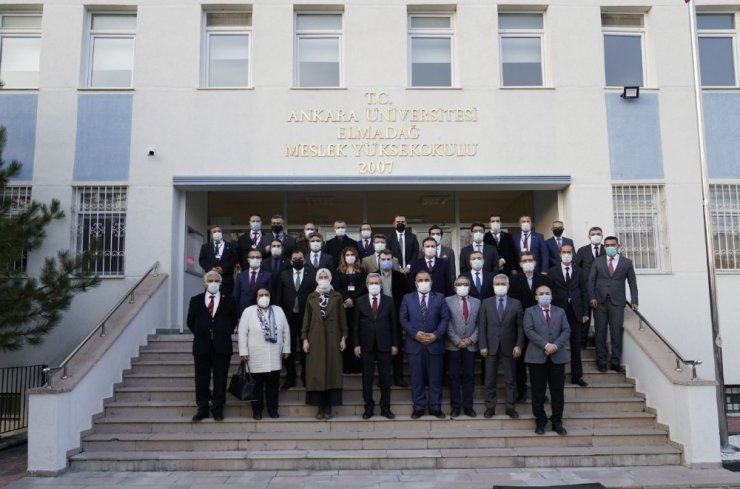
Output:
x,y
324,336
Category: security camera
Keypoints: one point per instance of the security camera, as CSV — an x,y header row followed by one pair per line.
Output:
x,y
150,151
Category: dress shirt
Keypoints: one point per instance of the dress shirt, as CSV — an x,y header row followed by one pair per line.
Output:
x,y
219,248
216,300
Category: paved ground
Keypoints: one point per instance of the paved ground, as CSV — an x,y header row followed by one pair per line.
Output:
x,y
12,464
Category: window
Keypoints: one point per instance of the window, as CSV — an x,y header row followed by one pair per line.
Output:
x,y
20,50
638,223
16,199
623,49
227,48
430,50
521,36
716,33
111,50
724,205
318,50
101,222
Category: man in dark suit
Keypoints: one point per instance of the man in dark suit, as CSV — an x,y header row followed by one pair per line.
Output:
x,y
255,239
403,243
555,242
490,255
278,232
569,294
334,246
608,299
443,252
376,331
501,342
548,332
424,317
292,292
503,243
438,269
532,241
220,256
250,279
395,286
365,246
316,259
584,259
371,264
522,287
481,280
302,244
212,317
275,263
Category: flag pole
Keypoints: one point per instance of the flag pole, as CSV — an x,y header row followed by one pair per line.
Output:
x,y
709,242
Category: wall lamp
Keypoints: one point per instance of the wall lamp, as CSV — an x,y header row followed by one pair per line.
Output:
x,y
629,93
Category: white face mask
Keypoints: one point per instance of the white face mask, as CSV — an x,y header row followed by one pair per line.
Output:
x,y
255,226
528,266
526,226
437,238
340,231
566,257
255,263
263,302
424,287
476,265
350,259
324,285
462,290
374,289
477,237
430,252
500,290
276,250
379,247
217,236
315,245
495,227
213,287
596,239
365,233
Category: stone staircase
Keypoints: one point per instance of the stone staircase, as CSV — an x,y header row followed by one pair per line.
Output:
x,y
146,426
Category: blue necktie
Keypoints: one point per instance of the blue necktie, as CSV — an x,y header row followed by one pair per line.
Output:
x,y
478,285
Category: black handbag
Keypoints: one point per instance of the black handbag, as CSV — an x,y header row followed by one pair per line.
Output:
x,y
242,384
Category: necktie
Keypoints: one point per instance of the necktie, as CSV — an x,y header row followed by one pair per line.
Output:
x,y
429,265
611,266
254,238
423,306
596,251
560,243
497,237
211,305
253,279
567,275
478,284
316,260
525,245
366,245
297,284
477,248
375,305
276,264
215,249
501,309
403,249
466,311
547,317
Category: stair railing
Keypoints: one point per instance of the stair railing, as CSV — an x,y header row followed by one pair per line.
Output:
x,y
679,358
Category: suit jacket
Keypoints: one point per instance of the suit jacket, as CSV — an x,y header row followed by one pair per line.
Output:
x,y
490,258
486,282
325,261
459,327
369,264
553,251
585,258
410,243
216,330
519,288
245,245
361,248
571,294
288,242
505,249
538,248
244,294
269,266
540,334
506,332
286,293
334,247
372,331
448,254
436,321
229,256
602,287
441,277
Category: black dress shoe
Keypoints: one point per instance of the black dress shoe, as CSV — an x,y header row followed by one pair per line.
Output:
x,y
521,398
387,413
559,429
438,414
287,385
400,383
200,415
417,414
512,413
580,382
455,413
602,368
220,416
489,413
367,414
540,430
470,413
275,415
617,368
257,416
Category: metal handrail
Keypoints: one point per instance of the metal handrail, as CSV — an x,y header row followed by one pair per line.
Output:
x,y
130,296
679,358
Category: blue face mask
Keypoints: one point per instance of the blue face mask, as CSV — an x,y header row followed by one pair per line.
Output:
x,y
386,265
611,251
544,300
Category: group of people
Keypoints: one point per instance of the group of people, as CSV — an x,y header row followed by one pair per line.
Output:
x,y
521,303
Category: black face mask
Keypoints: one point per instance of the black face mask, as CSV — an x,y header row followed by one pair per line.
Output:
x,y
298,264
401,227
277,229
557,232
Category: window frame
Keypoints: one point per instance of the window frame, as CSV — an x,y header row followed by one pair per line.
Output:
x,y
520,34
21,197
627,31
721,34
636,211
93,34
724,213
430,33
21,33
217,31
298,35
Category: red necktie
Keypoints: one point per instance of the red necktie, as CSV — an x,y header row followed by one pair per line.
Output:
x,y
375,305
466,312
526,241
366,244
611,266
253,279
547,317
211,306
254,238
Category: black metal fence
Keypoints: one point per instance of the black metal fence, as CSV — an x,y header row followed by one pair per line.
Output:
x,y
14,382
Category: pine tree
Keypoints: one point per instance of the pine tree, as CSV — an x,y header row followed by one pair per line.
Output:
x,y
30,307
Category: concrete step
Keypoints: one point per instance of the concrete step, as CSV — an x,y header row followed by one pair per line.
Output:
x,y
376,459
371,440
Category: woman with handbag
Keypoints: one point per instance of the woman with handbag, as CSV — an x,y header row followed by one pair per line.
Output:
x,y
264,340
324,336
